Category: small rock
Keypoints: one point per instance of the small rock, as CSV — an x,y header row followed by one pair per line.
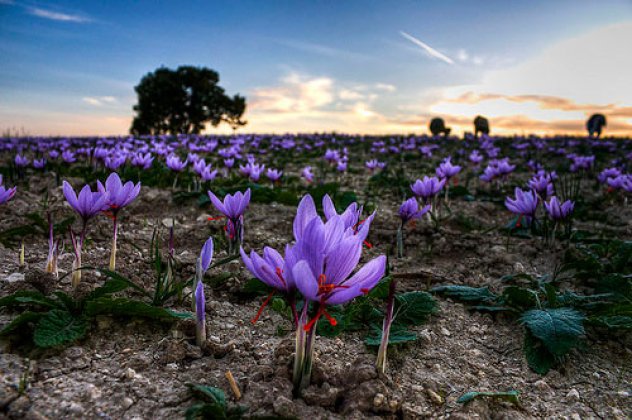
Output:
x,y
519,268
425,337
434,397
130,373
542,385
445,332
378,400
15,277
285,407
127,403
573,395
168,222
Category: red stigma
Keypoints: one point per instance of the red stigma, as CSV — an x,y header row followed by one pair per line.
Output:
x,y
279,274
210,219
367,244
263,305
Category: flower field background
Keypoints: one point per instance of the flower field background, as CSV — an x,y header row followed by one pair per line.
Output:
x,y
497,271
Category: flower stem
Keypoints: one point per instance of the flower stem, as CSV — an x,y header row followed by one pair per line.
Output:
x,y
113,253
386,328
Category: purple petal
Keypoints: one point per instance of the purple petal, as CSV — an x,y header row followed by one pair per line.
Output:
x,y
306,283
206,255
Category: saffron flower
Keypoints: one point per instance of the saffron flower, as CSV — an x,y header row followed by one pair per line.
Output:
x,y
525,203
559,211
6,194
175,163
276,272
203,263
87,204
233,207
200,315
427,188
447,170
408,211
542,185
307,174
274,175
119,195
327,255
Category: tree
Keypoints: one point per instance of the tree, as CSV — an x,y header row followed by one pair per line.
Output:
x,y
184,101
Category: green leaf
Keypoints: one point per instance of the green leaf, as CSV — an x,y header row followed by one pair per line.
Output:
x,y
520,298
613,321
68,302
109,287
511,396
21,321
539,359
58,327
467,293
397,335
26,297
114,276
559,329
209,394
130,308
380,291
413,308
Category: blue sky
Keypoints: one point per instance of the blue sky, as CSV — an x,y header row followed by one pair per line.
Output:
x,y
69,67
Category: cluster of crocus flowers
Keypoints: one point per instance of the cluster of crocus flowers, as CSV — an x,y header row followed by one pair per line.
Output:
x,y
233,208
87,205
119,195
6,194
319,265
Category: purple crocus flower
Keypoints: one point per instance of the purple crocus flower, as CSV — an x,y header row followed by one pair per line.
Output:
x,y
142,160
200,315
428,187
233,208
68,156
276,272
475,157
119,195
559,211
542,185
447,170
274,175
6,194
39,163
206,255
207,174
175,163
409,210
525,203
327,255
87,204
307,174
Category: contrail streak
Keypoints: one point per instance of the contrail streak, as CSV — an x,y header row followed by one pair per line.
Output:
x,y
434,53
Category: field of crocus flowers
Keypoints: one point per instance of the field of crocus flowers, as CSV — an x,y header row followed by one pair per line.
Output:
x,y
315,276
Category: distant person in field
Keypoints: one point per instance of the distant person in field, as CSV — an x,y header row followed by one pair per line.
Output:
x,y
595,124
481,125
437,126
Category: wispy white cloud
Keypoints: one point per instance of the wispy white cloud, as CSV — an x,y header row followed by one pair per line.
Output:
x,y
427,48
99,101
58,16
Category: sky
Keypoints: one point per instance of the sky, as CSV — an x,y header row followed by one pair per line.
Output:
x,y
371,67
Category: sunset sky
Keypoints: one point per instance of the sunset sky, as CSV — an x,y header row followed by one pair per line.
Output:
x,y
69,67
